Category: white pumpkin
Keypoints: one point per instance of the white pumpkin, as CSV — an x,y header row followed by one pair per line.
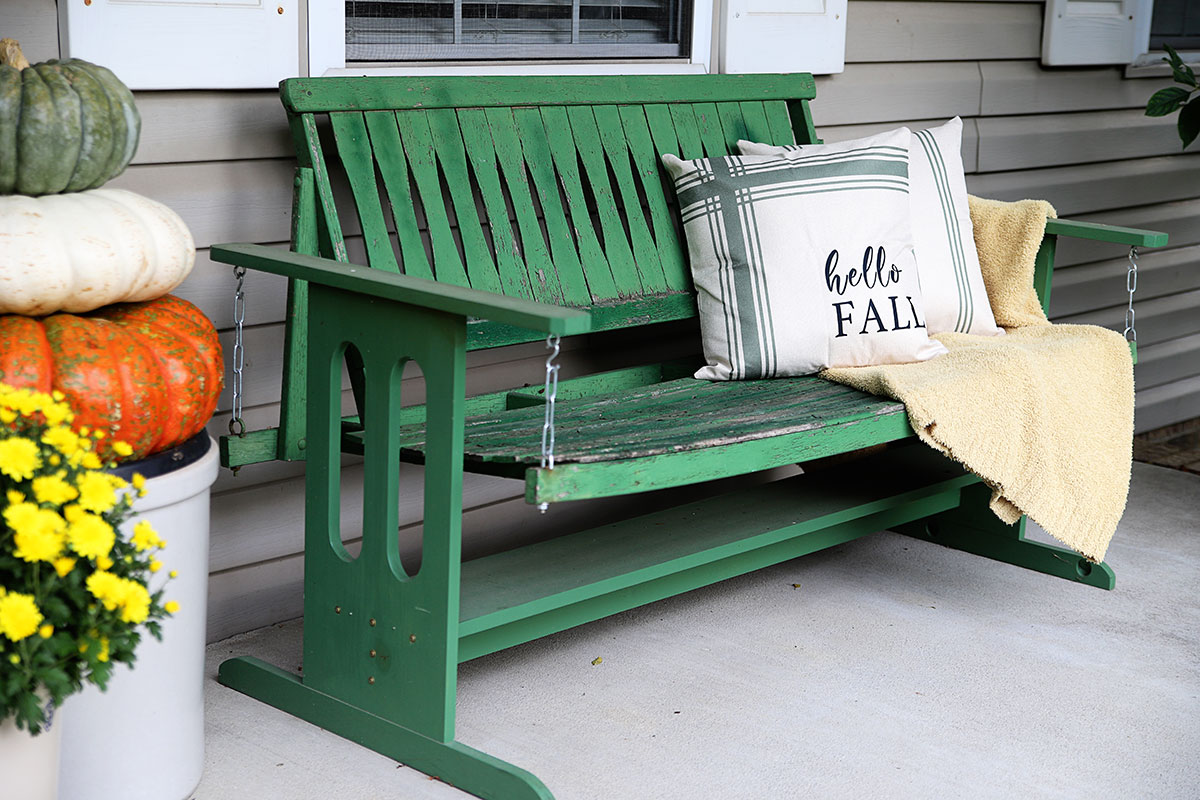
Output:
x,y
79,251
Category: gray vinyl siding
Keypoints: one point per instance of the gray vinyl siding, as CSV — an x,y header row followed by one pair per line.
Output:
x,y
1076,137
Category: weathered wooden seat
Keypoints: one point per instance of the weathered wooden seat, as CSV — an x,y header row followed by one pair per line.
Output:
x,y
437,216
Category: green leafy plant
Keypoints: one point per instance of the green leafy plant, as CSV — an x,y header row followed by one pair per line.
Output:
x,y
1166,101
74,592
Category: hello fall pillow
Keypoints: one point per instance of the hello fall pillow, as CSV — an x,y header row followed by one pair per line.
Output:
x,y
804,262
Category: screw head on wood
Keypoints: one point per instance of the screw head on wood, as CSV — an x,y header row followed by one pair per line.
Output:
x,y
371,680
337,609
372,654
412,637
371,622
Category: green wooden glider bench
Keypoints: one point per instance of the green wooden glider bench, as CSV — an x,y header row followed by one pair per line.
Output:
x,y
499,211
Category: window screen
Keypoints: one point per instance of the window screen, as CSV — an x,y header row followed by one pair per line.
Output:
x,y
1177,23
409,30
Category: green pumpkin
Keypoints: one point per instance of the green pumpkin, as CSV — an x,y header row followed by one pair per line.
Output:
x,y
65,126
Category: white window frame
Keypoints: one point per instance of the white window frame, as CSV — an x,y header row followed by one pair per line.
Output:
x,y
327,53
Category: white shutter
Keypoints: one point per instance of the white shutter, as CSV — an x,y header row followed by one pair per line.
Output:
x,y
783,36
186,44
1095,31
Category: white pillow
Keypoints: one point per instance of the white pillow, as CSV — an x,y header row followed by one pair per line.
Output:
x,y
955,296
777,249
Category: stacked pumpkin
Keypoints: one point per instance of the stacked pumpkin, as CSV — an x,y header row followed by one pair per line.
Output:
x,y
85,272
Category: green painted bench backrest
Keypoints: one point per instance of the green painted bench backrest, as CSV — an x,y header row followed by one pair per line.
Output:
x,y
548,188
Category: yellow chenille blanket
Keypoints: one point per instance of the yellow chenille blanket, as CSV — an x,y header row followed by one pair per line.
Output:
x,y
1043,414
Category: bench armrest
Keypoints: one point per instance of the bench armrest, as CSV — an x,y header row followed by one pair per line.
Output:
x,y
1105,233
405,289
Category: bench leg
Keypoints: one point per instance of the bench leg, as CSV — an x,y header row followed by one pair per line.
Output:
x,y
381,645
974,528
460,766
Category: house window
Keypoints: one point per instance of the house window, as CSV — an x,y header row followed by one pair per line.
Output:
x,y
1177,23
418,30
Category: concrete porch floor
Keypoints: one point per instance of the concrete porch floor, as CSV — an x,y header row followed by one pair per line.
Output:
x,y
896,669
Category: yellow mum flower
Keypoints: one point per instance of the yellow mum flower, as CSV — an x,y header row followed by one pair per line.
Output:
x,y
19,616
14,496
173,573
172,607
104,562
122,448
103,655
19,458
14,659
109,589
91,461
46,631
64,565
137,603
62,439
145,537
53,489
139,481
40,537
96,492
8,416
155,565
90,536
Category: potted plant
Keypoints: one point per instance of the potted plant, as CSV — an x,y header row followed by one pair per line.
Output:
x,y
74,596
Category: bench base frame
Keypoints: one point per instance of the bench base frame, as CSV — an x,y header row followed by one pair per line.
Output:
x,y
571,580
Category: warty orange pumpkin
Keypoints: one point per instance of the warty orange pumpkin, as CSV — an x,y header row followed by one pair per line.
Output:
x,y
148,374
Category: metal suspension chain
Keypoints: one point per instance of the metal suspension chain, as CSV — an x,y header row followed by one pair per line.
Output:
x,y
552,343
1131,285
237,426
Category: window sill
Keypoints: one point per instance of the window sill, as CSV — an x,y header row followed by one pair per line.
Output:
x,y
1151,65
521,68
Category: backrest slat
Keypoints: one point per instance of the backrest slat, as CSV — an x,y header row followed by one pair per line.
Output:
x,y
688,132
600,281
448,143
708,121
547,188
778,121
540,163
542,276
732,124
477,136
354,148
422,161
312,155
646,163
389,155
755,117
645,251
586,141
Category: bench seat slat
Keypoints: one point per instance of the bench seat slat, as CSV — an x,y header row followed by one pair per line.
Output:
x,y
671,417
389,154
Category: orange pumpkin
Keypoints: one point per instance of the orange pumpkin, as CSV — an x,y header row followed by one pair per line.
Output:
x,y
144,373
